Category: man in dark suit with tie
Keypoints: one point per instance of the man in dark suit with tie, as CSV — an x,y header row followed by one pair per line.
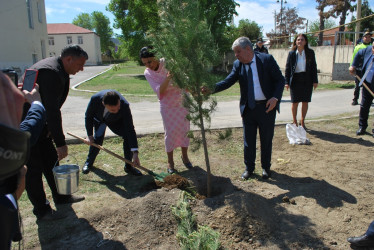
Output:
x,y
261,88
110,108
365,58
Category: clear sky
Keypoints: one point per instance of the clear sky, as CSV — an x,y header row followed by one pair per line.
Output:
x,y
260,11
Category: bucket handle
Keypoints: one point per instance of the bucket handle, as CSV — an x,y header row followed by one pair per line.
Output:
x,y
67,160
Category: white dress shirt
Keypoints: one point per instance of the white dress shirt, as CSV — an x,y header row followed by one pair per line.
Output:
x,y
301,62
259,95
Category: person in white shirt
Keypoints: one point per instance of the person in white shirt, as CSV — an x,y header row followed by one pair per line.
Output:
x,y
301,76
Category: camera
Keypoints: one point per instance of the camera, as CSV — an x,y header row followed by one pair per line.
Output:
x,y
12,75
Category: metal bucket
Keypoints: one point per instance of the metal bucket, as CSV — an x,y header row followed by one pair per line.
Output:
x,y
66,178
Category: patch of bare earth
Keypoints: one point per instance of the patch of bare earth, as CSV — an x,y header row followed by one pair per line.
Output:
x,y
319,195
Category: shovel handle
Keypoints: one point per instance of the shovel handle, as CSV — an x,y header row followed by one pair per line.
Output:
x,y
366,86
111,153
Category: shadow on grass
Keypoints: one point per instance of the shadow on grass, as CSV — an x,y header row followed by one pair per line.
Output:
x,y
338,138
73,233
127,186
266,219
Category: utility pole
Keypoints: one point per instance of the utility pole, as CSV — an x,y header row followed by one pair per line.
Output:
x,y
357,36
275,21
281,15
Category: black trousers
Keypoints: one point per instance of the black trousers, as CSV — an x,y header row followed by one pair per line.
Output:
x,y
99,132
264,122
356,93
365,105
43,158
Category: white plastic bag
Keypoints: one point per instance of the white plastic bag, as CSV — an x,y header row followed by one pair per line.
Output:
x,y
296,135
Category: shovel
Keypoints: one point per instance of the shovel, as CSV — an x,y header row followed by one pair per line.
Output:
x,y
366,86
159,177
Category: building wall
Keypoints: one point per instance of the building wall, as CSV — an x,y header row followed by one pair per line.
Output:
x,y
91,44
21,45
329,68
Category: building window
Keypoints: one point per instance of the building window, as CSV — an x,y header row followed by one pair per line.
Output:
x,y
80,39
39,12
34,58
42,45
51,40
29,12
51,54
69,40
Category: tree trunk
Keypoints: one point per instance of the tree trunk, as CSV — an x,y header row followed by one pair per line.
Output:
x,y
342,21
209,179
321,27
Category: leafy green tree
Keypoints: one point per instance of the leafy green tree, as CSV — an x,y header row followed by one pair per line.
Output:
x,y
83,20
103,29
367,23
336,8
249,29
187,44
98,22
314,28
136,18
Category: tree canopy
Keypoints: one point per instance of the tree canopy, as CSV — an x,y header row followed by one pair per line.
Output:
x,y
365,11
98,22
249,29
287,24
136,18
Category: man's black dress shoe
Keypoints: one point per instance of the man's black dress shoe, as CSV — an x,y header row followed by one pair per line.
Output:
x,y
362,241
246,175
86,169
132,171
266,174
360,131
69,199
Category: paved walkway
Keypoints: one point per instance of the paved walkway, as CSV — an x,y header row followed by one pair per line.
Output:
x,y
147,118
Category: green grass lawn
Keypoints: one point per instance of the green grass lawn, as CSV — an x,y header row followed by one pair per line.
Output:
x,y
128,79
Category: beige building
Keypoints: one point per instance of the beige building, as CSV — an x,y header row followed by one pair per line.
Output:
x,y
24,39
62,34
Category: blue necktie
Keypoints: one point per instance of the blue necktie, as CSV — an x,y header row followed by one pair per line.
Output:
x,y
251,91
369,77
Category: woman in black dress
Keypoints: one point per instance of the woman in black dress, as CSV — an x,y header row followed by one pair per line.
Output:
x,y
301,76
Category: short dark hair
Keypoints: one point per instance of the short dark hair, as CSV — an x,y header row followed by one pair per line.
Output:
x,y
73,50
111,98
146,52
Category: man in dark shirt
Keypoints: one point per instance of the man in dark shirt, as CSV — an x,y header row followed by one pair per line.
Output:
x,y
53,79
260,46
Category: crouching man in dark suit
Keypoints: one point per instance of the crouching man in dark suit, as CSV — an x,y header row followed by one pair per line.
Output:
x,y
110,108
261,87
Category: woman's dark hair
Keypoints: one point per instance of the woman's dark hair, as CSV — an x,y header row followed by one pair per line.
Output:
x,y
146,52
306,47
111,98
